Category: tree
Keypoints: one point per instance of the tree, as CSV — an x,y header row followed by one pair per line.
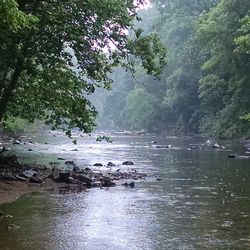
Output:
x,y
224,87
55,53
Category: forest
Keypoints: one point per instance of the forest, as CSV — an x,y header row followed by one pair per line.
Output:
x,y
205,86
177,66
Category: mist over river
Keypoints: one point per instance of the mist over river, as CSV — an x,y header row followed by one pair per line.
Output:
x,y
191,199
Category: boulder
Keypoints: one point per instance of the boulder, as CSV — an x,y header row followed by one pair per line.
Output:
x,y
111,164
98,165
131,184
61,176
69,163
127,163
29,173
35,179
106,182
17,142
13,227
218,146
85,179
75,169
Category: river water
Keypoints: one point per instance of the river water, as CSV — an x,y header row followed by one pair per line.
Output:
x,y
202,202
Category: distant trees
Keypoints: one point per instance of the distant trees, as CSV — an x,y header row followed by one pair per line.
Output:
x,y
205,85
55,53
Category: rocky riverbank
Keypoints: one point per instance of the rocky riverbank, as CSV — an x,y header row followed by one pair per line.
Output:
x,y
17,179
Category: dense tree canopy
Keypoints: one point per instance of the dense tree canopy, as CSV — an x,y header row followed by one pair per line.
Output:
x,y
205,86
55,53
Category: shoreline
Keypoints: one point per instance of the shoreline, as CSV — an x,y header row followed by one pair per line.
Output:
x,y
11,191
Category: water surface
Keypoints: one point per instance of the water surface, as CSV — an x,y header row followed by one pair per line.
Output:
x,y
202,202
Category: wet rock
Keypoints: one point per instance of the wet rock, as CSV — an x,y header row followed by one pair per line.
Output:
x,y
75,169
61,176
69,163
54,163
193,147
95,184
127,163
111,164
73,180
29,173
218,146
85,179
17,142
106,182
8,177
131,184
98,165
159,179
237,156
87,169
13,227
161,146
35,179
20,178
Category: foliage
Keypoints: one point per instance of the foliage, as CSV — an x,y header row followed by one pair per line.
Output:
x,y
139,111
55,53
224,87
205,86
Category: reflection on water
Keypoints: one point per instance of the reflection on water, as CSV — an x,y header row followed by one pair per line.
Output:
x,y
201,202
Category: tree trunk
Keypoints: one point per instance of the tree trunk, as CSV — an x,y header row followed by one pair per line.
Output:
x,y
8,92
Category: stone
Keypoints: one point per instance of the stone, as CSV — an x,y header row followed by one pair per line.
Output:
x,y
69,163
20,178
13,227
61,176
35,179
60,159
17,142
111,164
127,163
131,184
98,165
85,179
29,173
75,168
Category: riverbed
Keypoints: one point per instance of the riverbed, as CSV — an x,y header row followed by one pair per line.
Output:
x,y
191,199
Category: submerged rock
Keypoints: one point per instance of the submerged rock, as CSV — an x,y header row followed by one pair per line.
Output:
x,y
218,146
69,163
237,156
17,142
161,146
131,184
13,227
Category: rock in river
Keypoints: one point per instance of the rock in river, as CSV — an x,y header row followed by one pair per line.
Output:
x,y
127,163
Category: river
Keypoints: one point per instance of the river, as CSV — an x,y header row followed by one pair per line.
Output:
x,y
202,201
